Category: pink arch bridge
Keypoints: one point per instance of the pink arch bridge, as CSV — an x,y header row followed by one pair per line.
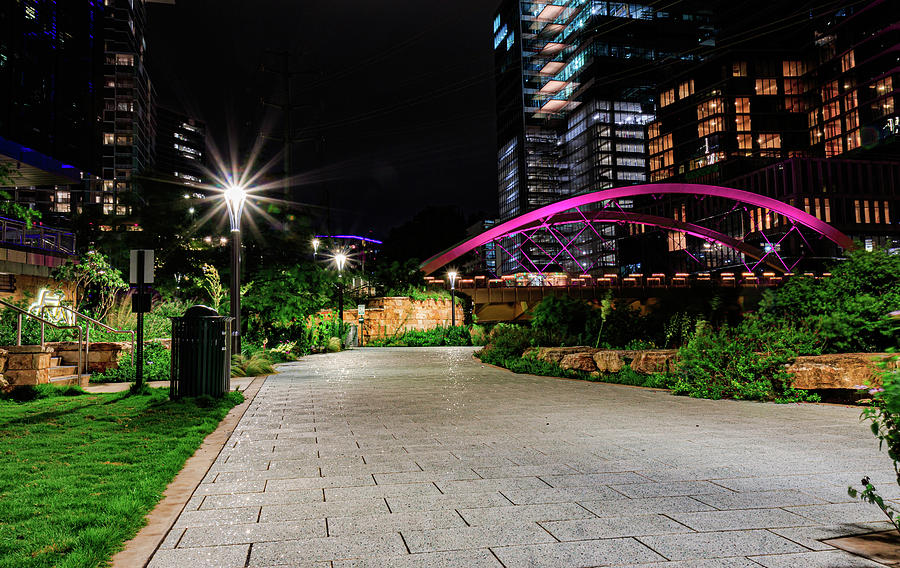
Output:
x,y
602,207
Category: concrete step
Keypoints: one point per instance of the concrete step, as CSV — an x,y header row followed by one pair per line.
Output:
x,y
70,380
63,370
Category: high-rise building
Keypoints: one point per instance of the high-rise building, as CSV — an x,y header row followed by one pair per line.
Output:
x,y
575,87
180,147
50,70
129,124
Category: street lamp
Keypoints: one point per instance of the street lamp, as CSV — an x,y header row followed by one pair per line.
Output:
x,y
235,197
315,243
340,259
452,275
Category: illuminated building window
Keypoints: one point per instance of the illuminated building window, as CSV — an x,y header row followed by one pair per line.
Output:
x,y
856,210
830,91
848,61
877,212
833,128
766,87
125,59
887,213
794,104
109,138
853,140
852,121
833,147
850,101
742,122
739,69
707,127
709,108
792,87
745,141
666,98
792,68
865,208
742,105
769,141
686,89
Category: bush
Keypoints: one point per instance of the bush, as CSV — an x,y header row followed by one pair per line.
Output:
x,y
563,321
334,345
506,341
251,365
459,336
727,363
157,366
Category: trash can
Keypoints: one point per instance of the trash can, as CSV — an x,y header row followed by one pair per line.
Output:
x,y
201,353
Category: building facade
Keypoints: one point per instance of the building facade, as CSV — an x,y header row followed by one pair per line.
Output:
x,y
180,147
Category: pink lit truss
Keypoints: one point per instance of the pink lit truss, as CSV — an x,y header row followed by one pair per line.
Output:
x,y
573,211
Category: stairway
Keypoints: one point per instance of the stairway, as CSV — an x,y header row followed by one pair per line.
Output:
x,y
62,375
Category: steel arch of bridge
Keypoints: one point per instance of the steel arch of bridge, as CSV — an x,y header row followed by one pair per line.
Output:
x,y
555,215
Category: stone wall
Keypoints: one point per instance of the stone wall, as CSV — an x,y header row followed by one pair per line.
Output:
x,y
810,372
387,317
28,286
101,356
27,365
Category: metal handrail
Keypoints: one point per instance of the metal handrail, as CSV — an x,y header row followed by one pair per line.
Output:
x,y
44,322
87,330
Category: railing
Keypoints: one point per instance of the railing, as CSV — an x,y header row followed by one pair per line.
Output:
x,y
22,312
87,329
16,232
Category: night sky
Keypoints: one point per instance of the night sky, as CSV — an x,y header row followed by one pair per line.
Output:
x,y
402,92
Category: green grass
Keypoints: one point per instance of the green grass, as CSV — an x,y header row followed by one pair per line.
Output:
x,y
79,473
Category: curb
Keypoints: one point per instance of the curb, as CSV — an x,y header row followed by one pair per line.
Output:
x,y
143,546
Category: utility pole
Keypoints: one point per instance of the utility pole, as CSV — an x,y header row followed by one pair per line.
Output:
x,y
288,136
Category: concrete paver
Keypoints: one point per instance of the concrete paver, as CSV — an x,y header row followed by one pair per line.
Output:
x,y
425,458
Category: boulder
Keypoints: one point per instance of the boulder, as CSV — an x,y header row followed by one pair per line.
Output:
x,y
579,361
554,354
654,361
609,361
839,371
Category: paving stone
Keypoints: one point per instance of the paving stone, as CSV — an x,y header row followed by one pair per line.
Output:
x,y
322,509
454,559
759,499
230,488
374,491
740,519
612,527
673,489
827,559
250,533
393,522
265,498
713,544
543,512
735,562
293,552
576,554
298,482
646,506
475,537
560,495
589,479
491,485
455,501
217,517
218,557
424,476
811,537
857,512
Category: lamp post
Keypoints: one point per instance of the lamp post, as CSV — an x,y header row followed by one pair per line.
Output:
x,y
339,259
452,275
315,244
235,196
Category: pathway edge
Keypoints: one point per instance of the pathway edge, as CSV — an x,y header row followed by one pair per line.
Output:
x,y
139,550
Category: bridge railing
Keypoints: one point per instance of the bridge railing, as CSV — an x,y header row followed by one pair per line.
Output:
x,y
632,280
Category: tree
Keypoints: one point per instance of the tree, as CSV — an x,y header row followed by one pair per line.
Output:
x,y
91,274
10,207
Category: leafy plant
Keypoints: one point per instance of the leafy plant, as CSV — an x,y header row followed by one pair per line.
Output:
x,y
90,281
211,283
435,337
10,207
334,345
251,365
563,320
505,341
157,366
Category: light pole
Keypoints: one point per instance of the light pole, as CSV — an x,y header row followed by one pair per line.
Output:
x,y
315,243
452,275
235,196
339,259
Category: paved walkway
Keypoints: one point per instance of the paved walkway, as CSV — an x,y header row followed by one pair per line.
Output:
x,y
425,458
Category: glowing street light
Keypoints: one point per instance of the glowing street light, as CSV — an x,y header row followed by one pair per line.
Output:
x,y
339,260
235,197
315,244
452,276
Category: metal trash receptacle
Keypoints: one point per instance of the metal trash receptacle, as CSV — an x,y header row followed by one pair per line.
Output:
x,y
201,353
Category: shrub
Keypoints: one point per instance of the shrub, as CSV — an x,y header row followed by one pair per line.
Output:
x,y
884,414
157,366
251,365
563,320
725,363
506,341
334,345
459,336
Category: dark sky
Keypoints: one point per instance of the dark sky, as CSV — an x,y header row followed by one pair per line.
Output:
x,y
401,91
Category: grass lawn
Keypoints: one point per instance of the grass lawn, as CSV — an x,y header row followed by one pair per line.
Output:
x,y
79,473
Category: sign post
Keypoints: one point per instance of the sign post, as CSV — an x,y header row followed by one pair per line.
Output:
x,y
141,274
361,312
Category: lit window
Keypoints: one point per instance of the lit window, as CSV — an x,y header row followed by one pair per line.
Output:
x,y
792,87
766,87
830,90
794,104
742,105
853,140
709,108
180,136
686,89
666,98
848,61
769,141
739,69
125,59
109,138
833,147
742,122
792,68
745,142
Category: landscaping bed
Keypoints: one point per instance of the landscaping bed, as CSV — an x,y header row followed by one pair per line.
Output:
x,y
79,472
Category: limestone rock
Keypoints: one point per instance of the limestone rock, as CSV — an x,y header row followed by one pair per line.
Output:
x,y
554,354
839,371
654,361
609,361
579,361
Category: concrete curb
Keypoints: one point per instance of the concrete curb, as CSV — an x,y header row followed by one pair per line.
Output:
x,y
141,548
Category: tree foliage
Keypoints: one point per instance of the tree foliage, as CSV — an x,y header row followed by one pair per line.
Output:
x,y
10,207
91,281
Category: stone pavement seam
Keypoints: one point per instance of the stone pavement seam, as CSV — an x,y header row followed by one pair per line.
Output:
x,y
162,518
